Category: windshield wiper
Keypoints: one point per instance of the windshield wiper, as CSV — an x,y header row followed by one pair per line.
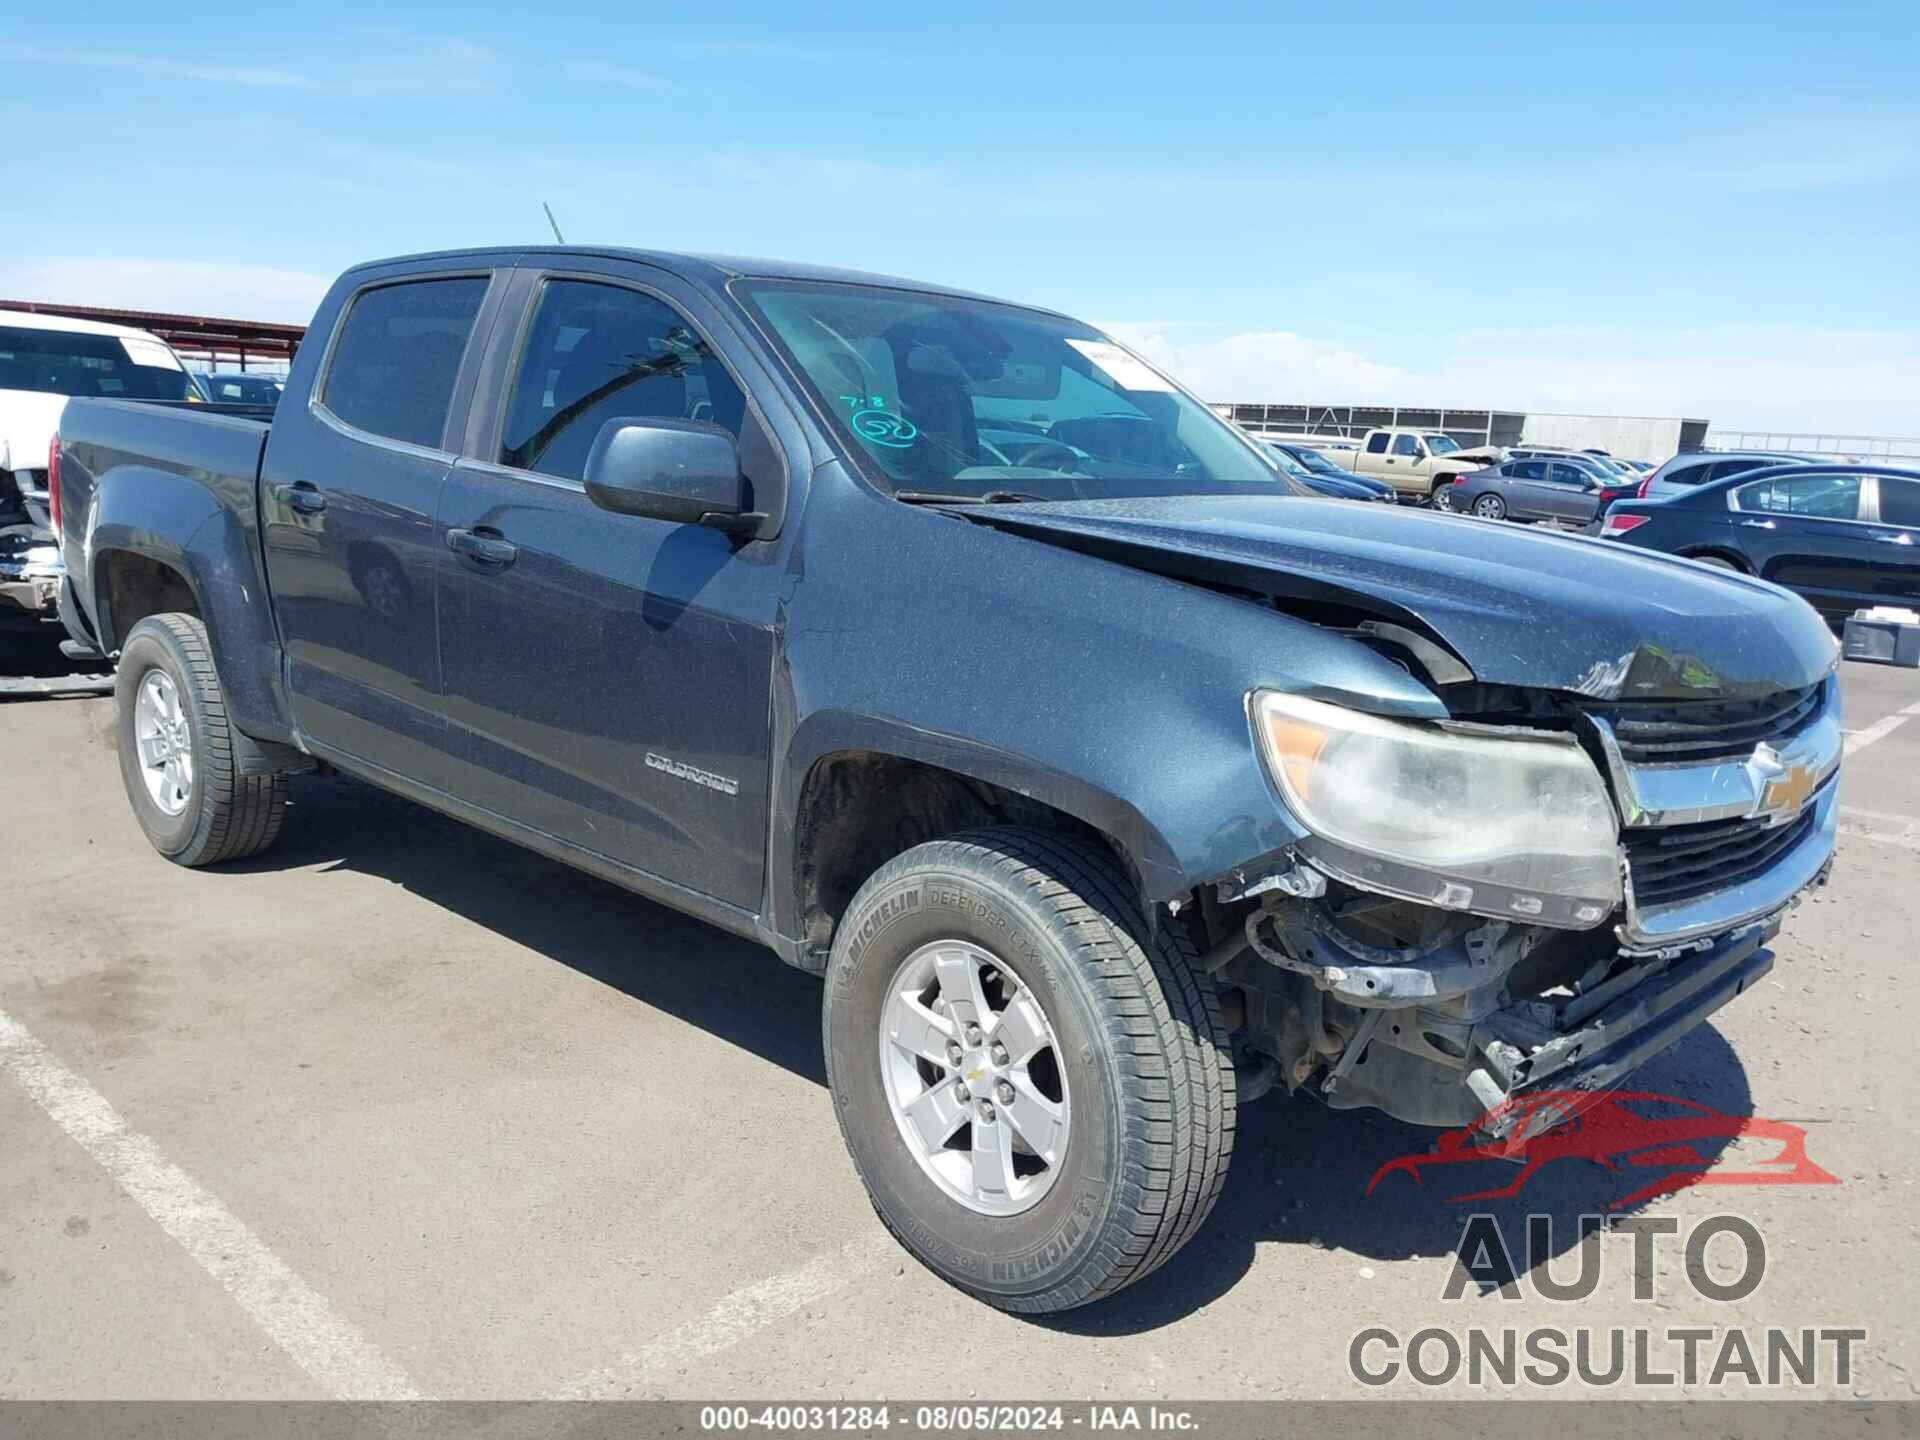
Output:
x,y
992,497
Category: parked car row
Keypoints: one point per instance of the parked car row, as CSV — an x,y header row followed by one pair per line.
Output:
x,y
1843,537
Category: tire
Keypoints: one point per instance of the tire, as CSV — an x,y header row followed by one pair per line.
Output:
x,y
1490,507
221,814
1441,497
1144,1075
1718,562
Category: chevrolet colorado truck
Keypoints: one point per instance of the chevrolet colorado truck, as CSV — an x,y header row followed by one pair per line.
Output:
x,y
953,652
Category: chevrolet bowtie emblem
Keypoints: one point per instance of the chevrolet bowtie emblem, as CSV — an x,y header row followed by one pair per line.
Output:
x,y
1785,785
1785,795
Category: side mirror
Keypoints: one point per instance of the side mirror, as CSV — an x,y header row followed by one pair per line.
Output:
x,y
684,471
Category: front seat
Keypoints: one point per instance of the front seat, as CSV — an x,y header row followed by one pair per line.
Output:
x,y
940,406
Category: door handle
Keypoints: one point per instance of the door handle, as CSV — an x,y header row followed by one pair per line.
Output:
x,y
486,545
1758,524
301,496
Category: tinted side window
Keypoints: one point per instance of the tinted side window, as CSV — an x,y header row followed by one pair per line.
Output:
x,y
1824,497
1405,445
1377,444
1530,470
1899,501
1690,474
1568,475
398,355
601,352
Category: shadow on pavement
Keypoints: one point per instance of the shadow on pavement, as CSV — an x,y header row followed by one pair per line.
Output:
x,y
731,988
32,668
1300,1171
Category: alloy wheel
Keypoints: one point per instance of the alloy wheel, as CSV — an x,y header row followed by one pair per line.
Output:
x,y
971,1068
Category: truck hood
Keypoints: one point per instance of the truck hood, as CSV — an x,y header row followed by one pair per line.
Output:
x,y
28,419
1515,606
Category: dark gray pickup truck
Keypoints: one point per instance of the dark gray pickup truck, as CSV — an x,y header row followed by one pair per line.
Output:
x,y
948,649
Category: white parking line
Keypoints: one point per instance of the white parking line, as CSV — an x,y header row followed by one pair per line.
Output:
x,y
735,1318
1879,730
297,1317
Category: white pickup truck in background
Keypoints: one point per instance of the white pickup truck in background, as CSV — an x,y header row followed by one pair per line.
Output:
x,y
45,360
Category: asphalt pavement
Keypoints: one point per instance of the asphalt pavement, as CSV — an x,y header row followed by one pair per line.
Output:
x,y
400,1109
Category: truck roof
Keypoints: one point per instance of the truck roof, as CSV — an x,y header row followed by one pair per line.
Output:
x,y
716,270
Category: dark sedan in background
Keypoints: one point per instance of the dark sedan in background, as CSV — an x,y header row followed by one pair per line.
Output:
x,y
1843,537
1317,464
1332,481
1564,489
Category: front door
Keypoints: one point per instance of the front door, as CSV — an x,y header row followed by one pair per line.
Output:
x,y
1570,494
347,512
608,677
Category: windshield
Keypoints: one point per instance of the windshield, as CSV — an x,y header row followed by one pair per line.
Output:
x,y
1286,460
243,389
966,397
1314,461
59,362
1441,444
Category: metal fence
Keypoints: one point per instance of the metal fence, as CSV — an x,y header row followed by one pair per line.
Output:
x,y
1881,449
1468,427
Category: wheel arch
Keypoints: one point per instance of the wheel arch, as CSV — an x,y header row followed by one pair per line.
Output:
x,y
160,541
871,794
1717,552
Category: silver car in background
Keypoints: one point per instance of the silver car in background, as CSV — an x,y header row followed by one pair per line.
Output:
x,y
1697,467
1565,489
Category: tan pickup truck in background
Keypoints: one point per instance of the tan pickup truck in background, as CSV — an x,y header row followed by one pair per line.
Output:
x,y
1416,462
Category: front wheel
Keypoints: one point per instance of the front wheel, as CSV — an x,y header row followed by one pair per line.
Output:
x,y
1036,1090
1442,497
177,750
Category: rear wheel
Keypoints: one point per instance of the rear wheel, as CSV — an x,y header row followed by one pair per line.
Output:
x,y
1036,1091
1490,507
177,750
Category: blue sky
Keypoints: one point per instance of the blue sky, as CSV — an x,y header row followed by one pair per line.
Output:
x,y
1667,209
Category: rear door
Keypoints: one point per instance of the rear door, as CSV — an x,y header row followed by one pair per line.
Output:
x,y
348,493
608,677
1525,486
1806,531
1371,458
1896,541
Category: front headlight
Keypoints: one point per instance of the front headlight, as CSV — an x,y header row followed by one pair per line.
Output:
x,y
1517,827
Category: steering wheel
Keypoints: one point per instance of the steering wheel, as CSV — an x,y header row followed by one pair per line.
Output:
x,y
1049,455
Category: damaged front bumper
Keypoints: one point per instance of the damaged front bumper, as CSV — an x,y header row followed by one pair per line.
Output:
x,y
1368,992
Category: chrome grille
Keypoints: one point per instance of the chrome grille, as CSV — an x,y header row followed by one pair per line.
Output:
x,y
1662,733
1681,862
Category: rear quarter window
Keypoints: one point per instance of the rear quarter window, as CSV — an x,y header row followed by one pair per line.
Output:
x,y
398,354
